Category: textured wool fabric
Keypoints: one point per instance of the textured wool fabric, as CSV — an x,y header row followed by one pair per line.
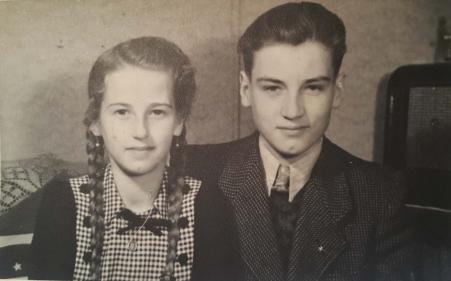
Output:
x,y
351,225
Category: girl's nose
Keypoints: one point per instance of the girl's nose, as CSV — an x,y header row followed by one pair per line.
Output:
x,y
141,129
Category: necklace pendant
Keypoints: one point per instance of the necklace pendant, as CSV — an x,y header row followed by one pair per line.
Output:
x,y
132,245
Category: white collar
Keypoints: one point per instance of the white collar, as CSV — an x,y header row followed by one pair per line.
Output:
x,y
300,170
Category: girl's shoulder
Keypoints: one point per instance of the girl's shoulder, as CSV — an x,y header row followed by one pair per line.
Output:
x,y
80,186
53,246
62,189
78,182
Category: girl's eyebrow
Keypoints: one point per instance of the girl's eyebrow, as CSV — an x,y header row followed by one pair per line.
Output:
x,y
152,104
118,104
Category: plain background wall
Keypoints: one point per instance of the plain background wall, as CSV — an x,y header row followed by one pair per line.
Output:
x,y
48,47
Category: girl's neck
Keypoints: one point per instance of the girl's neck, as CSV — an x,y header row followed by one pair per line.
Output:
x,y
138,192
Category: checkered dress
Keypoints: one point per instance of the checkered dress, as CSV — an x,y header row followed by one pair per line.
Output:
x,y
118,261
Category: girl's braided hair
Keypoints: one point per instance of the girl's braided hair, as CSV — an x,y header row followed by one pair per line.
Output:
x,y
153,53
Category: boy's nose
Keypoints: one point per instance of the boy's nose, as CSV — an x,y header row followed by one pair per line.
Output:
x,y
293,107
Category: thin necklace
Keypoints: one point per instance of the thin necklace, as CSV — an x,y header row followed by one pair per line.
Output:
x,y
133,243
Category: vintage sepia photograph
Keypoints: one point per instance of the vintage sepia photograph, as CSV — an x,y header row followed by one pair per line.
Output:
x,y
230,140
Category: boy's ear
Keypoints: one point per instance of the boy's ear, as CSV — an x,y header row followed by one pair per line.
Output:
x,y
179,127
339,89
244,89
95,128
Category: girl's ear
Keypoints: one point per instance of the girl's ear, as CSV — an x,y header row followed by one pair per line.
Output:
x,y
179,127
95,128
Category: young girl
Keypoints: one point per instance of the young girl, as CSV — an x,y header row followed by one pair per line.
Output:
x,y
138,214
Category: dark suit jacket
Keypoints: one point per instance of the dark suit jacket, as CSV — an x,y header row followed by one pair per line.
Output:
x,y
352,224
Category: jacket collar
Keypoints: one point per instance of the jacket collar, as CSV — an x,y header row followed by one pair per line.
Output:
x,y
319,237
243,183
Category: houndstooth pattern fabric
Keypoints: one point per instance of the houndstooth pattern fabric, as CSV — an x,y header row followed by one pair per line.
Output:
x,y
147,261
351,223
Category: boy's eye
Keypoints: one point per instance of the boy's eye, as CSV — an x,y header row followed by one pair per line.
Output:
x,y
315,87
271,88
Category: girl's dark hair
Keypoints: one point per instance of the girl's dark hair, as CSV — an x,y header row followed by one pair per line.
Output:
x,y
149,53
294,23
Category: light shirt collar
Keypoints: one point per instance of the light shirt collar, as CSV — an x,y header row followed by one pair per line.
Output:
x,y
300,169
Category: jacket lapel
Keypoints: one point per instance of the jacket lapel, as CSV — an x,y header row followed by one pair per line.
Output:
x,y
242,181
319,237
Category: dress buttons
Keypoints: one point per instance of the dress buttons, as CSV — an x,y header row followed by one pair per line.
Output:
x,y
86,221
183,259
87,257
85,188
183,222
186,188
167,278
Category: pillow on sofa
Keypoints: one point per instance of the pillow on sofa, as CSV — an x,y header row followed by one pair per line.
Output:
x,y
21,183
21,178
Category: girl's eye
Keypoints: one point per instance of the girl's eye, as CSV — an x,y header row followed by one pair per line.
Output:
x,y
158,113
121,112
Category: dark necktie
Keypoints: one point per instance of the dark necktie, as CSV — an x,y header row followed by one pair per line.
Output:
x,y
283,213
282,182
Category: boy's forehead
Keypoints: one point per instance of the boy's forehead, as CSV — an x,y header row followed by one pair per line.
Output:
x,y
309,57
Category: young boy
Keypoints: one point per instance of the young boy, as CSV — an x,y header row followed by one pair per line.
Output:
x,y
304,208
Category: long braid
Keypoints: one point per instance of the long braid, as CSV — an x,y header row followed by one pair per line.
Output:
x,y
149,53
174,190
96,167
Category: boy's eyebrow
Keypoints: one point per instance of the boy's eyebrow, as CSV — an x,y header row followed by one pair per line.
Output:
x,y
319,79
311,80
162,104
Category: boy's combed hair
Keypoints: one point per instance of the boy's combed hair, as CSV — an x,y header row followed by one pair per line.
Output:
x,y
294,23
153,53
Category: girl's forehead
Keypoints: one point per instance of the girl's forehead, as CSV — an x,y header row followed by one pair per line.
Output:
x,y
136,84
129,75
